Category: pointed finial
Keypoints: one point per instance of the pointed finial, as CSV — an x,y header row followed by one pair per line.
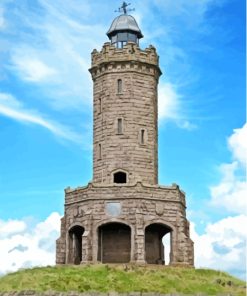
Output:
x,y
124,8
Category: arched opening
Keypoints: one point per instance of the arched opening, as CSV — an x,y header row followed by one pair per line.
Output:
x,y
75,245
120,177
114,243
156,238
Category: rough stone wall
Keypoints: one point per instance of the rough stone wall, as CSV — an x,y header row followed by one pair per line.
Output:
x,y
140,206
135,105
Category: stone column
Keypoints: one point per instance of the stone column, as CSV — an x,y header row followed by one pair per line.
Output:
x,y
86,248
140,247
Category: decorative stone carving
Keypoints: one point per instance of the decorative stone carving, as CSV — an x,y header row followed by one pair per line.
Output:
x,y
159,209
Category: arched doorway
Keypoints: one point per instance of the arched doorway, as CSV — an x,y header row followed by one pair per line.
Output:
x,y
114,243
75,244
155,235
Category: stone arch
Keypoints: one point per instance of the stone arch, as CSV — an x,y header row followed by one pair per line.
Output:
x,y
114,241
74,243
155,231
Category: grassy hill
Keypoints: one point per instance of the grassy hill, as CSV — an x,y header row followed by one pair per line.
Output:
x,y
123,278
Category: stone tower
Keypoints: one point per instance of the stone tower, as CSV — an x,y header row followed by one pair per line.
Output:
x,y
123,214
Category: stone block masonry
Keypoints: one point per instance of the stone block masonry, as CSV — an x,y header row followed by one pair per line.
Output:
x,y
123,215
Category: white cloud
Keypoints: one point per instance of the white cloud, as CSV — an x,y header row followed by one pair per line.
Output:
x,y
26,247
32,69
222,246
11,227
12,108
223,243
170,106
231,192
238,144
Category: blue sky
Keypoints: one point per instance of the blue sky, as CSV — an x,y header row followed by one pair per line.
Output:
x,y
46,117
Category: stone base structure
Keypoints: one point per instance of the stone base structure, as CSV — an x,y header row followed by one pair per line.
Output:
x,y
124,223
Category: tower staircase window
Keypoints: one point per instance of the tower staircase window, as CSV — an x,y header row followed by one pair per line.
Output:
x,y
120,126
119,86
100,105
142,136
100,152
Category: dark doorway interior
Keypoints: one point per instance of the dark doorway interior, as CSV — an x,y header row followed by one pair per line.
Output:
x,y
114,243
154,247
120,178
75,245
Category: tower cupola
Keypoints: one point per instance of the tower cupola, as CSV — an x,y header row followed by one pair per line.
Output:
x,y
124,28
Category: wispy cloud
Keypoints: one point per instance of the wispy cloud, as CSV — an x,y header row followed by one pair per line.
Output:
x,y
54,51
32,69
12,108
170,107
2,21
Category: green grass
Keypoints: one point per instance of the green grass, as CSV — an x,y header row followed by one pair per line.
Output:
x,y
123,278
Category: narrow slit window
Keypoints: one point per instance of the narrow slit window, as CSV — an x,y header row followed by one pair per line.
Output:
x,y
142,136
119,86
100,151
100,105
120,126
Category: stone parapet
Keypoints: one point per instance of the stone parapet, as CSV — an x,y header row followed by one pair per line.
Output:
x,y
130,52
130,58
97,191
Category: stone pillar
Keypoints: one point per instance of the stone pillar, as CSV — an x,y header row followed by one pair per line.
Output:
x,y
86,248
61,245
140,246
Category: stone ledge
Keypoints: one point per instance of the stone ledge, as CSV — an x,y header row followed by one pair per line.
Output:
x,y
90,185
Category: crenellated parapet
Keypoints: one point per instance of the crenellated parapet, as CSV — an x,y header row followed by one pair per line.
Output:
x,y
130,57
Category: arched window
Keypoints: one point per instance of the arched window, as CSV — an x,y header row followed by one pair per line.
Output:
x,y
119,86
120,177
120,126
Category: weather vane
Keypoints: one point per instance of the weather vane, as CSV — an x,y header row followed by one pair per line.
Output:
x,y
124,8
